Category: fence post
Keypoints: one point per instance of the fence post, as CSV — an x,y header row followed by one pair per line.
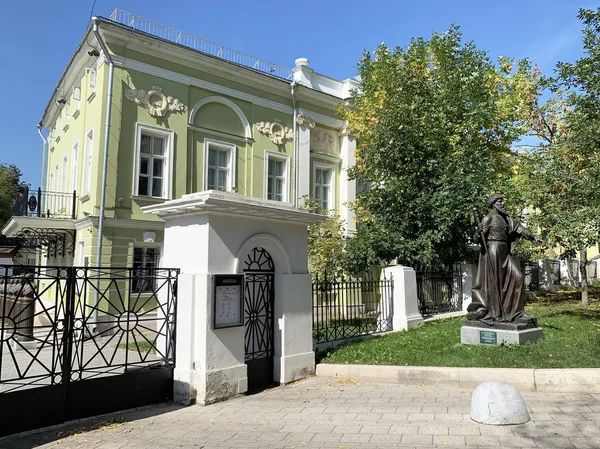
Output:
x,y
404,294
466,271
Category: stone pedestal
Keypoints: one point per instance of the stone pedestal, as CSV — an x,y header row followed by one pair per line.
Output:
x,y
477,333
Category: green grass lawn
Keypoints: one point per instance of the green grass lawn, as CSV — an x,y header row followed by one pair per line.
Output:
x,y
142,345
571,340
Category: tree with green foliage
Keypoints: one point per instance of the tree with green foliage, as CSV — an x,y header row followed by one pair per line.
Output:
x,y
10,187
434,124
325,241
559,180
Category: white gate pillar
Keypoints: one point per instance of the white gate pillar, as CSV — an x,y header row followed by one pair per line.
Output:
x,y
211,233
405,302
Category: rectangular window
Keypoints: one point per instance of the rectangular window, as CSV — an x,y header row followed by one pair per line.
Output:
x,y
153,167
276,178
52,195
145,262
219,167
323,187
74,156
87,163
67,114
63,183
91,82
77,99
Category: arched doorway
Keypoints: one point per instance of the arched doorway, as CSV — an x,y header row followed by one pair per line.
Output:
x,y
259,292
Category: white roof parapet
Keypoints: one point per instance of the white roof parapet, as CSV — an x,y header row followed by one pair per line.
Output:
x,y
231,203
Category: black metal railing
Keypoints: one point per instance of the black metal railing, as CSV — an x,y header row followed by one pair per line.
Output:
x,y
556,272
45,204
347,308
439,291
61,325
531,273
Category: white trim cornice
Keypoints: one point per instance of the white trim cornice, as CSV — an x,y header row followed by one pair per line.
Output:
x,y
149,69
214,132
128,223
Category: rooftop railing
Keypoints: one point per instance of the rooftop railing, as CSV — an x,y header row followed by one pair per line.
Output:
x,y
196,43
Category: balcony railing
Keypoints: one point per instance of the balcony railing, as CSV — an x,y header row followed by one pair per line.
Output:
x,y
199,44
44,204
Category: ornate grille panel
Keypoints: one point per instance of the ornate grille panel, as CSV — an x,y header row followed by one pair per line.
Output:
x,y
86,332
258,316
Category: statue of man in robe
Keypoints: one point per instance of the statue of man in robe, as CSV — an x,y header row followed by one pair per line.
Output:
x,y
499,295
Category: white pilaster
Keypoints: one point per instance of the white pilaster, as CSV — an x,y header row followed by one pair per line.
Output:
x,y
466,271
303,158
406,304
347,187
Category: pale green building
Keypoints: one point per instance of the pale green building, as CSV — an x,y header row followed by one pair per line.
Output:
x,y
182,115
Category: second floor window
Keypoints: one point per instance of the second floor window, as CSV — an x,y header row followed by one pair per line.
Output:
x,y
276,178
220,159
323,187
153,162
152,166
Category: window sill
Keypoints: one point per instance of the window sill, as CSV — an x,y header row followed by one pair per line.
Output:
x,y
91,96
150,199
76,114
66,127
85,198
57,139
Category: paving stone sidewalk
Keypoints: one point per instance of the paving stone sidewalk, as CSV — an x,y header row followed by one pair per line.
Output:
x,y
332,413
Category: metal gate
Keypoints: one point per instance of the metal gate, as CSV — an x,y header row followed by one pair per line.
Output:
x,y
439,291
77,342
258,318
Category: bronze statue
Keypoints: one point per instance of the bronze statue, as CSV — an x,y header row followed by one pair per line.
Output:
x,y
499,295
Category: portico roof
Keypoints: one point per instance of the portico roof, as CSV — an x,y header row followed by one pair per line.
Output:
x,y
213,201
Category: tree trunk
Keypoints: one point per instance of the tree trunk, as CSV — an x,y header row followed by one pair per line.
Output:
x,y
583,263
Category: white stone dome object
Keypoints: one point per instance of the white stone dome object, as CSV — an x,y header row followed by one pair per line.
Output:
x,y
499,403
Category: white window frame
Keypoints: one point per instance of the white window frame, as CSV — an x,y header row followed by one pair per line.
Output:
x,y
323,166
231,179
169,137
86,177
286,183
77,98
91,82
74,161
144,248
67,115
52,204
64,179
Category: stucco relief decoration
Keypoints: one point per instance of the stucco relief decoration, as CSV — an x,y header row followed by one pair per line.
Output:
x,y
306,120
275,131
323,139
156,102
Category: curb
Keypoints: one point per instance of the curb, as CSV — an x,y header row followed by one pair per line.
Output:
x,y
578,380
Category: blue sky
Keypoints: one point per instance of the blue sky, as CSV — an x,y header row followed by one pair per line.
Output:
x,y
39,39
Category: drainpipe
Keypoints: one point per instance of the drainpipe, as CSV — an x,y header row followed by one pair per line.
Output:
x,y
44,163
295,189
43,181
111,71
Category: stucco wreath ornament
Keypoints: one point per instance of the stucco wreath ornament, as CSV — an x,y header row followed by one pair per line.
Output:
x,y
275,131
155,101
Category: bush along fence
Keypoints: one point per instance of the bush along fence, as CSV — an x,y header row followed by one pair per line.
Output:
x,y
350,307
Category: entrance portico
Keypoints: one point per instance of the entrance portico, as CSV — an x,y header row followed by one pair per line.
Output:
x,y
210,233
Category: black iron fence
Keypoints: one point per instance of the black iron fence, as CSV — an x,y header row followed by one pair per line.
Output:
x,y
531,273
439,291
350,307
78,341
44,204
